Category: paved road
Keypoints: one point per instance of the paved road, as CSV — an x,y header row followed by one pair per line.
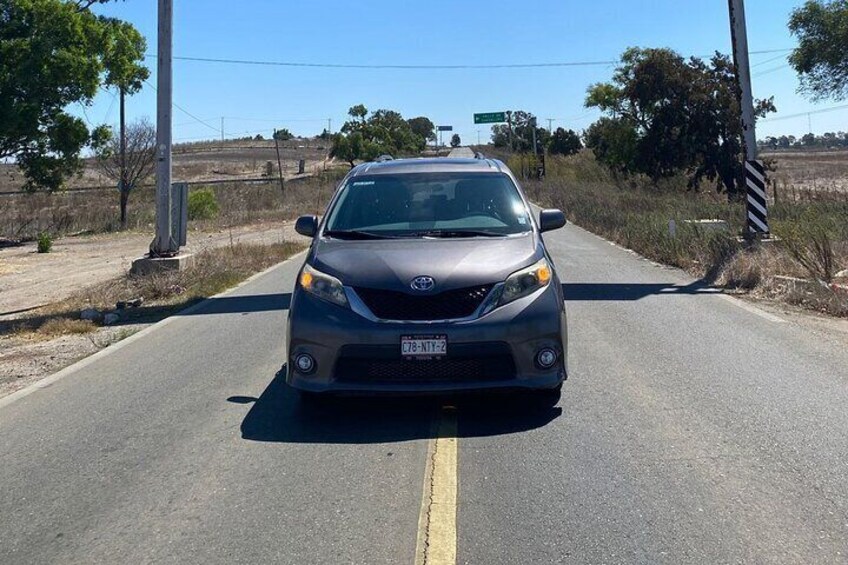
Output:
x,y
692,430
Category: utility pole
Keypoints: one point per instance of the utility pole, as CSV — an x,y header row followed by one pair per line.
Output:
x,y
122,186
164,245
551,125
478,136
222,128
533,130
757,211
330,126
279,163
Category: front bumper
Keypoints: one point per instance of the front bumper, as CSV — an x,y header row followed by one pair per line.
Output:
x,y
353,354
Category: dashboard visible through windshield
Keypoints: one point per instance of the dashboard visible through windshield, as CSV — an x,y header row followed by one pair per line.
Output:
x,y
428,205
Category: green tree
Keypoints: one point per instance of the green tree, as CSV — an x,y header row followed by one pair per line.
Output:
x,y
667,115
564,142
283,134
821,58
518,132
56,53
423,127
365,137
456,141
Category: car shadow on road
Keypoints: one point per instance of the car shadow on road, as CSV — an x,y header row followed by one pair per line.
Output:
x,y
279,415
241,304
628,292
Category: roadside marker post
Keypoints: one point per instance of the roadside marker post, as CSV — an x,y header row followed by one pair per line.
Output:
x,y
755,178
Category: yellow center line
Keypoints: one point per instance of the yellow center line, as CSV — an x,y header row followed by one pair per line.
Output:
x,y
437,519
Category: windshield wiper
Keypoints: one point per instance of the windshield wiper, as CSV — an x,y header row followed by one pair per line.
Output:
x,y
356,234
459,233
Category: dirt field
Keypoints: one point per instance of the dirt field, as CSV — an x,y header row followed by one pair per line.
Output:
x,y
29,279
819,171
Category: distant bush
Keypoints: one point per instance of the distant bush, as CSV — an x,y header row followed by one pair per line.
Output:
x,y
45,242
202,205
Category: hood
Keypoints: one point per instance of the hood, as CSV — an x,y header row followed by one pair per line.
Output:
x,y
391,264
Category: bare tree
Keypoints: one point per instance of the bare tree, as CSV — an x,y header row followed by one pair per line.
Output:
x,y
137,163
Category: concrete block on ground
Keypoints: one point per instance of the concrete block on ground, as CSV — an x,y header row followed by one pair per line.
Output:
x,y
147,265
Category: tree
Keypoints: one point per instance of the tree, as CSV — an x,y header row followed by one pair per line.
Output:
x,y
423,127
56,53
456,141
821,58
518,132
140,154
564,142
667,115
366,137
283,134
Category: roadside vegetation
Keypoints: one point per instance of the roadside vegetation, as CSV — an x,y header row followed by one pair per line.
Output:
x,y
132,299
635,212
24,216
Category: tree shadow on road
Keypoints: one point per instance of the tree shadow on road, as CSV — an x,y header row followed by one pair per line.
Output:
x,y
279,415
629,292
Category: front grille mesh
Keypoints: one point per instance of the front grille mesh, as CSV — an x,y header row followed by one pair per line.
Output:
x,y
448,305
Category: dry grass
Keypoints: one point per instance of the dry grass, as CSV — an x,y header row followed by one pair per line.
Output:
x,y
800,175
24,216
214,271
634,213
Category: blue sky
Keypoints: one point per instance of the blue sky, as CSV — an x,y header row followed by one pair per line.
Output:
x,y
255,99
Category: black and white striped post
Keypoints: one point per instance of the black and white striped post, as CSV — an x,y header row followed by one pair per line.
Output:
x,y
755,174
755,183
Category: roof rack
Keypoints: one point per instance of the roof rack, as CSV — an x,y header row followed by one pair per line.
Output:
x,y
384,158
479,155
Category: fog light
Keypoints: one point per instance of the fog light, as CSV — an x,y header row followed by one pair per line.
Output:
x,y
546,358
305,363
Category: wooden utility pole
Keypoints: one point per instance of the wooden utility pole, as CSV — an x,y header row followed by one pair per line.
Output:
x,y
123,181
279,163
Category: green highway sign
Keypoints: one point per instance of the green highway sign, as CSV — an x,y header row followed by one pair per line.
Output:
x,y
490,118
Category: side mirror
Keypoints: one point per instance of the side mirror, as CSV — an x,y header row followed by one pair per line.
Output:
x,y
307,225
551,219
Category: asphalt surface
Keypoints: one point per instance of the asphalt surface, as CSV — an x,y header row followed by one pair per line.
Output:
x,y
692,430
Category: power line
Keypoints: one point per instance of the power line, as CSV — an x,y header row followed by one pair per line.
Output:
x,y
276,120
769,71
184,111
415,67
810,113
767,61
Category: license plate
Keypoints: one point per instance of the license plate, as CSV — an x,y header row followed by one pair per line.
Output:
x,y
423,347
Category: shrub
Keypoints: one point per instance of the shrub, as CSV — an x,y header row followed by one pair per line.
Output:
x,y
202,205
45,242
810,240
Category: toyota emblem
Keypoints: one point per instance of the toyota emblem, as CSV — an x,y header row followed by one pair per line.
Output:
x,y
423,283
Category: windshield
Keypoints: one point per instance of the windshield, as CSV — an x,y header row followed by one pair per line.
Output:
x,y
429,204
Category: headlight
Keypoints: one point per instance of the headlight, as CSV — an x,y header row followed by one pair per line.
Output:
x,y
526,281
323,286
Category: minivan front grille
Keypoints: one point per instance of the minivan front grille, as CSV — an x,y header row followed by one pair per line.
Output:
x,y
448,305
